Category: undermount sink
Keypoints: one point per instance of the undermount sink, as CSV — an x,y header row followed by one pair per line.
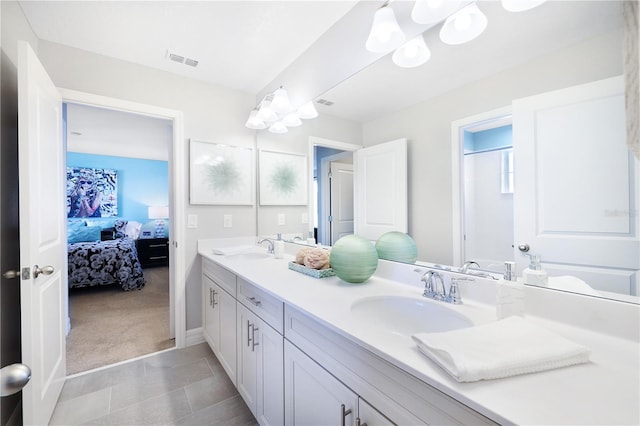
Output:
x,y
250,255
406,316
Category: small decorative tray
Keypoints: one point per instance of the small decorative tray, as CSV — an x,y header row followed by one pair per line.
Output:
x,y
315,273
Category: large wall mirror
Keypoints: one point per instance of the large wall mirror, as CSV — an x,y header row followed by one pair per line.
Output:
x,y
558,45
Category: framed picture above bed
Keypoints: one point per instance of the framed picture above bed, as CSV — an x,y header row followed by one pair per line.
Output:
x,y
92,192
283,178
220,174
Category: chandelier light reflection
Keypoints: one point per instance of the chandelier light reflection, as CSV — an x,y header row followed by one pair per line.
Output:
x,y
461,25
276,113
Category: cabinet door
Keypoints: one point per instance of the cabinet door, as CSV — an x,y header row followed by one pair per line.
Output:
x,y
211,316
247,356
225,305
370,416
312,395
270,371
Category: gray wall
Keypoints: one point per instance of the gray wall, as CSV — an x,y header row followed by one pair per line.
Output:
x,y
427,126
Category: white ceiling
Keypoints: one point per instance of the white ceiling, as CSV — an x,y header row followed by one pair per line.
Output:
x,y
245,44
239,44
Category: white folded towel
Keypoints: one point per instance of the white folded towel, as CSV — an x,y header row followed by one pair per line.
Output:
x,y
503,348
228,251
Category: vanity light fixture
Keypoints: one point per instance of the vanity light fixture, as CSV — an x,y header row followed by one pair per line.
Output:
x,y
385,34
276,113
464,25
412,54
521,5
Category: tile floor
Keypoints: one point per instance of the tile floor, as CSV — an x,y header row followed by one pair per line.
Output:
x,y
185,386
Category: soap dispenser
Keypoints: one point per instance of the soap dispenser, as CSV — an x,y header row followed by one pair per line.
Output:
x,y
534,275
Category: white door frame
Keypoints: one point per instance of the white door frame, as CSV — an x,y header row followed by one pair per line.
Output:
x,y
457,179
325,195
329,143
178,324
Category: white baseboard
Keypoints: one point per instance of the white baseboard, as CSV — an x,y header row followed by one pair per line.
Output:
x,y
194,337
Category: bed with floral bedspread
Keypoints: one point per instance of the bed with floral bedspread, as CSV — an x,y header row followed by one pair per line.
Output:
x,y
105,262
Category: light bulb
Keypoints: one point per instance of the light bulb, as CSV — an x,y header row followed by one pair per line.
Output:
x,y
462,22
385,32
280,103
412,54
254,122
278,127
307,111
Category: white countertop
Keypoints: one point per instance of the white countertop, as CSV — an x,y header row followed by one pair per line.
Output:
x,y
604,391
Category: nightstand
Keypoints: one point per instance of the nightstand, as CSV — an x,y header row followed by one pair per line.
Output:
x,y
153,251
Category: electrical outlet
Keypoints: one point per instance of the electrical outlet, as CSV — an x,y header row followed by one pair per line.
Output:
x,y
280,218
228,221
304,218
192,221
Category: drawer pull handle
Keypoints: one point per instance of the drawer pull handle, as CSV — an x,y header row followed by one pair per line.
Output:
x,y
249,336
156,245
358,422
344,412
254,301
213,299
253,338
157,257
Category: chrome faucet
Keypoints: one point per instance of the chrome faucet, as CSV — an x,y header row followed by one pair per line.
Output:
x,y
270,248
434,287
467,264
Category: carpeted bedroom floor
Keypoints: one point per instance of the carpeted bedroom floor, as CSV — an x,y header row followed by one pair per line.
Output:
x,y
109,325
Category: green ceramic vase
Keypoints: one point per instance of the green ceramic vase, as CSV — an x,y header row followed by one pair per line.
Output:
x,y
397,246
353,258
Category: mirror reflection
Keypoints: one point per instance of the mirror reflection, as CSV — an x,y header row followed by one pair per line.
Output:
x,y
559,45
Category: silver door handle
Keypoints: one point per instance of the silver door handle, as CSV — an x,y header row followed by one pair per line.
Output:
x,y
46,270
11,274
524,248
13,378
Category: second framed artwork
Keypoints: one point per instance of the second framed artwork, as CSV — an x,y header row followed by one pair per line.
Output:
x,y
283,178
221,174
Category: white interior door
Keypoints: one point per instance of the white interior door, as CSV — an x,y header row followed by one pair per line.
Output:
x,y
341,184
42,236
381,189
576,194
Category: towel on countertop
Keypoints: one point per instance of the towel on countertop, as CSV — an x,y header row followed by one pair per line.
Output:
x,y
228,251
503,348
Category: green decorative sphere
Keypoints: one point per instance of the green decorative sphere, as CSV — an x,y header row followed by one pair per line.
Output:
x,y
397,246
353,258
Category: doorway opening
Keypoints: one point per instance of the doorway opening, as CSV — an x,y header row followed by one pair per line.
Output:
x,y
325,214
123,160
482,163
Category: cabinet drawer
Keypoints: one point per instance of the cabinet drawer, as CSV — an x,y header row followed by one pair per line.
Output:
x,y
267,307
221,276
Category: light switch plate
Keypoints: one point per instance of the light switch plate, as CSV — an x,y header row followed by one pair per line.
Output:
x,y
192,221
280,218
228,221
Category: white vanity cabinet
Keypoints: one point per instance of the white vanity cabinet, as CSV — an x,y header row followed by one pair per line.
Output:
x,y
260,353
219,314
315,397
395,396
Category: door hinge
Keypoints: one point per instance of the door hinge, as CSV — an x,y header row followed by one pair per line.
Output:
x,y
26,273
330,218
330,174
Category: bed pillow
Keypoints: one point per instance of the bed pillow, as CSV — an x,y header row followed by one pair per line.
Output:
x,y
119,226
132,229
83,233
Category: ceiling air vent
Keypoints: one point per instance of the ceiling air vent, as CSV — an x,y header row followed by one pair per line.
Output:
x,y
181,59
324,102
